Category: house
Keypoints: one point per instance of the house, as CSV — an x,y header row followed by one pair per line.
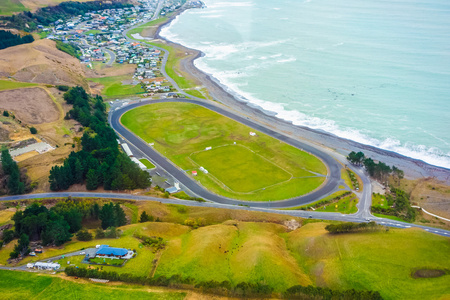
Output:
x,y
111,252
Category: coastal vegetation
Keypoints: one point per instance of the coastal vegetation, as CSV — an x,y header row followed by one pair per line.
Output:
x,y
8,39
396,204
99,163
255,168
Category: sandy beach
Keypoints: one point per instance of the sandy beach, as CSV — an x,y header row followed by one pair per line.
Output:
x,y
413,168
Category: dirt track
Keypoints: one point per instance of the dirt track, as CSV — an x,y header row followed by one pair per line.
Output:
x,y
30,105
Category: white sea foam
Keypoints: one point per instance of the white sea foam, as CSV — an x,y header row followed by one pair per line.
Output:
x,y
287,60
430,155
211,16
248,59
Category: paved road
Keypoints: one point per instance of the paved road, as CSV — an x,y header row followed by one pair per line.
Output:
x,y
296,213
112,56
331,184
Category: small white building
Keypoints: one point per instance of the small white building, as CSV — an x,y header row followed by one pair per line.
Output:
x,y
46,266
126,149
252,133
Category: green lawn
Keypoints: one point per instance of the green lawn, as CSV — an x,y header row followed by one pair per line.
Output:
x,y
339,193
113,86
147,163
108,261
24,285
9,85
139,29
9,7
234,165
379,200
389,217
346,205
253,163
346,177
93,31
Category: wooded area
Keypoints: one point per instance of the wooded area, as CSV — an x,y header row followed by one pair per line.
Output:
x,y
8,39
99,163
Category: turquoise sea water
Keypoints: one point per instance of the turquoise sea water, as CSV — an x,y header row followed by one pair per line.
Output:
x,y
373,71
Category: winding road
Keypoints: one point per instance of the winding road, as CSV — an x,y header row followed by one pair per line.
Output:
x,y
334,168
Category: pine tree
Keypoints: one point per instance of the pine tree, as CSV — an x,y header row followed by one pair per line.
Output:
x,y
120,215
144,217
92,179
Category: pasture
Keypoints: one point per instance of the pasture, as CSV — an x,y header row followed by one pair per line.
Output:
x,y
239,165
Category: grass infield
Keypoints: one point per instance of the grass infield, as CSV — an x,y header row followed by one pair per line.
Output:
x,y
257,167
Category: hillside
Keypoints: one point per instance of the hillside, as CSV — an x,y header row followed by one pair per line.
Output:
x,y
233,246
41,62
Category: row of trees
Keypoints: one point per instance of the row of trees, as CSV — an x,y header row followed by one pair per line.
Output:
x,y
313,292
14,182
99,162
348,227
45,16
8,39
378,170
226,288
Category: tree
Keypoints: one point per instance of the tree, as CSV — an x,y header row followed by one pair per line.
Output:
x,y
22,247
33,130
92,179
5,113
84,235
120,215
111,232
8,236
95,211
356,158
107,215
145,217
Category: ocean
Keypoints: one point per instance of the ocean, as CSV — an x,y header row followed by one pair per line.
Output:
x,y
374,71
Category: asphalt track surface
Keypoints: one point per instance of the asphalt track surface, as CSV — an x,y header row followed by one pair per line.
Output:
x,y
334,168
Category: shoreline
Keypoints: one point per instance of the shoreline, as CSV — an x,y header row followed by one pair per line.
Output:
x,y
413,168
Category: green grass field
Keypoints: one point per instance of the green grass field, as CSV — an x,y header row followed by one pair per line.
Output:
x,y
381,261
255,164
113,86
147,163
234,165
9,7
93,31
107,261
9,85
140,28
346,205
24,285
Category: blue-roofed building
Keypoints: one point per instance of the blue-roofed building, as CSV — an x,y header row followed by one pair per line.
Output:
x,y
111,252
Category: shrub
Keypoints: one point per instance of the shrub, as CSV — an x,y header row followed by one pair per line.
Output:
x,y
99,233
63,88
8,236
33,130
84,235
5,113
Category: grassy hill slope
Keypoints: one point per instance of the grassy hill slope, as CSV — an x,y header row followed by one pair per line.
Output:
x,y
41,62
